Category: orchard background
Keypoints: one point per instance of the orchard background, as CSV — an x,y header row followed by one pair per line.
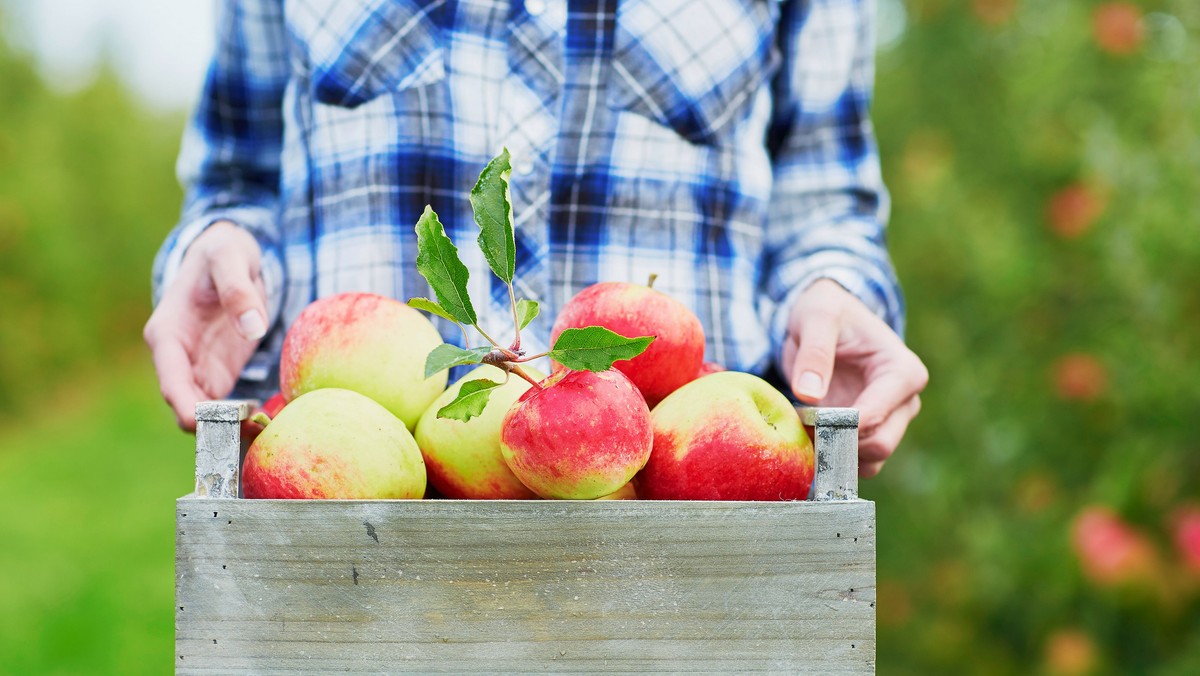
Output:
x,y
1043,514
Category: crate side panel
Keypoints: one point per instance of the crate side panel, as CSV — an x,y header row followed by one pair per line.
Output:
x,y
524,586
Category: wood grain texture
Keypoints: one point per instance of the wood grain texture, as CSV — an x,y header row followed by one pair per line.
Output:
x,y
836,448
539,586
218,446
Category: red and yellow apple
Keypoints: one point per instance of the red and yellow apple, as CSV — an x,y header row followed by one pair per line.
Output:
x,y
634,310
579,436
626,492
727,436
334,443
364,342
463,459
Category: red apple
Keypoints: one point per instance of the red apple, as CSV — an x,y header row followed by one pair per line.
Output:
x,y
580,436
334,443
1117,27
1186,531
727,436
634,310
251,428
626,492
364,342
1111,551
463,458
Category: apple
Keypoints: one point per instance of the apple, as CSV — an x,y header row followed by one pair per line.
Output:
x,y
579,435
634,310
334,443
364,342
626,492
463,458
251,427
1110,550
727,436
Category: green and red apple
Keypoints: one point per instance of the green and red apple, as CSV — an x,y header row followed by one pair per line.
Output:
x,y
579,436
463,459
334,443
367,343
677,352
727,436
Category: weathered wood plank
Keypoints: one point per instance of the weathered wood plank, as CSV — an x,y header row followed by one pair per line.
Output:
x,y
218,446
836,446
452,586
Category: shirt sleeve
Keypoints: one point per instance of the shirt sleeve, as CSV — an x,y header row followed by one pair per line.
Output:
x,y
829,205
229,162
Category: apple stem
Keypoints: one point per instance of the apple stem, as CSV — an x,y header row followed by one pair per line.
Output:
x,y
650,282
512,301
513,368
522,360
488,338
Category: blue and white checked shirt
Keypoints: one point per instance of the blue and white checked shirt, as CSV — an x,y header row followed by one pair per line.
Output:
x,y
723,144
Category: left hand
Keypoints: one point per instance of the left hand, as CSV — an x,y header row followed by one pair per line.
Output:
x,y
838,353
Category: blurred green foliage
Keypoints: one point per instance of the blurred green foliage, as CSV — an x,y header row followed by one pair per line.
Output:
x,y
1046,198
1044,162
87,191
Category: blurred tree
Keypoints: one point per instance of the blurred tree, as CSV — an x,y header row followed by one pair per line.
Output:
x,y
87,191
1044,160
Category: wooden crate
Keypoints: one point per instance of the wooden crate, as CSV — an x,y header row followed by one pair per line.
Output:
x,y
323,586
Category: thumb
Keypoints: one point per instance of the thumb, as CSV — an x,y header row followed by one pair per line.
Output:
x,y
816,335
235,278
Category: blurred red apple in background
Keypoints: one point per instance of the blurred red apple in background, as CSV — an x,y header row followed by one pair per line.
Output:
x,y
1110,550
1117,27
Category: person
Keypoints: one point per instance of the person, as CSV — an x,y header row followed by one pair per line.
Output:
x,y
724,145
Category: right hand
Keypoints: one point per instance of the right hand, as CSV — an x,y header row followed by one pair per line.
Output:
x,y
209,320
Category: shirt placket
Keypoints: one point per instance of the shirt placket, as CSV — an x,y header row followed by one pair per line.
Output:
x,y
528,127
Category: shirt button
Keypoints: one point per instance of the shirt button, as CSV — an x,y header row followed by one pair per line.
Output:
x,y
535,7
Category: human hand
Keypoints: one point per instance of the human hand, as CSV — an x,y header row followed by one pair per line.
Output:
x,y
838,353
209,320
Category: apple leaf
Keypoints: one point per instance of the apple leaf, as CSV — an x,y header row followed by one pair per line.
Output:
x,y
526,311
438,263
493,212
446,355
595,348
470,402
430,307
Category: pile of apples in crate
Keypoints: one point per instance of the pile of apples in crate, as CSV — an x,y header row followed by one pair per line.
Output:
x,y
629,410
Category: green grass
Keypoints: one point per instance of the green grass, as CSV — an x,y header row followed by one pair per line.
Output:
x,y
87,490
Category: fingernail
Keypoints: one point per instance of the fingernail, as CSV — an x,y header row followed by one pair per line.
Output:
x,y
252,325
809,384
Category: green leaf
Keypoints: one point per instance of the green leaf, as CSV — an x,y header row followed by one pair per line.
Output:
x,y
446,355
438,263
493,212
595,348
471,400
526,311
430,307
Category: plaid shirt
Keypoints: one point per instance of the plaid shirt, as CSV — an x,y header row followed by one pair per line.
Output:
x,y
722,144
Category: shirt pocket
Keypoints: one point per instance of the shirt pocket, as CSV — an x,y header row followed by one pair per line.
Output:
x,y
695,66
356,51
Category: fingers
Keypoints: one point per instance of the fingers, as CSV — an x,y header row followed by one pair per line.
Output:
x,y
175,378
898,378
813,342
235,277
876,446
